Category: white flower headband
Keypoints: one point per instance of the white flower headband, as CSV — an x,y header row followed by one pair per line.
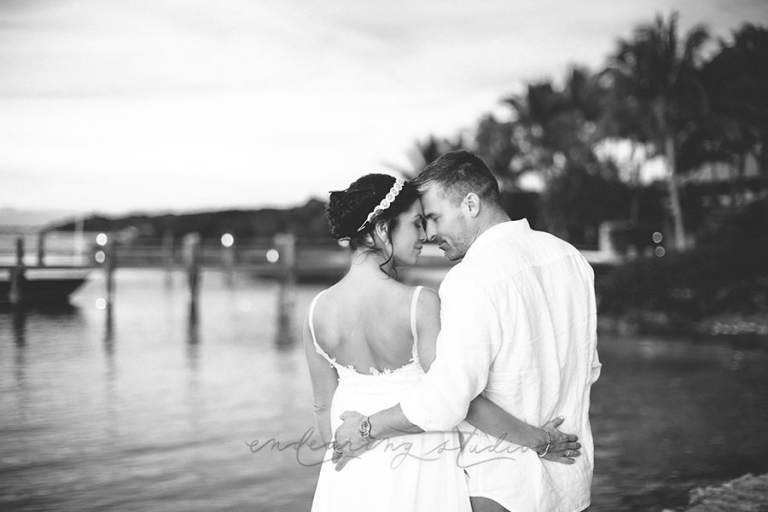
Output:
x,y
385,203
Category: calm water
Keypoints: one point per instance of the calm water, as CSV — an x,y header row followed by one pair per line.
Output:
x,y
150,414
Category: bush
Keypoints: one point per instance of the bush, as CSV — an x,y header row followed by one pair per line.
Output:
x,y
728,272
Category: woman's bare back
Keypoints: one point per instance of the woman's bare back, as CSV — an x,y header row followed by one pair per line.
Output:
x,y
366,325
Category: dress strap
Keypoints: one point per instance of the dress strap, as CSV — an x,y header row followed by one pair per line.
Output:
x,y
414,303
312,329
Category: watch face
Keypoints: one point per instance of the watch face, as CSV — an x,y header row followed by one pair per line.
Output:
x,y
365,428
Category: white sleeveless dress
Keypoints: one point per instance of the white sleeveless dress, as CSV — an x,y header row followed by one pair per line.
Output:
x,y
417,472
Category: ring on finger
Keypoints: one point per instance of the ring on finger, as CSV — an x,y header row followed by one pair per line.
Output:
x,y
567,453
337,451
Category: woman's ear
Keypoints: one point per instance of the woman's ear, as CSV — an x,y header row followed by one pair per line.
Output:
x,y
382,231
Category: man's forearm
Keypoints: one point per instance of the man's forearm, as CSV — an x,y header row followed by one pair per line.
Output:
x,y
392,423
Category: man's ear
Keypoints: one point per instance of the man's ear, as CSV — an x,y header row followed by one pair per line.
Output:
x,y
472,204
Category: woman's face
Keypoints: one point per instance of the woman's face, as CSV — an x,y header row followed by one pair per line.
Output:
x,y
408,236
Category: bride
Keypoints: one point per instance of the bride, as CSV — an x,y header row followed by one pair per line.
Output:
x,y
368,339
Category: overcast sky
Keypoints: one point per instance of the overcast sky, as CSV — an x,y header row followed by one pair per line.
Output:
x,y
116,106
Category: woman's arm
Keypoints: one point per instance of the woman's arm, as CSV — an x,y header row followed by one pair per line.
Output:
x,y
484,414
492,419
324,382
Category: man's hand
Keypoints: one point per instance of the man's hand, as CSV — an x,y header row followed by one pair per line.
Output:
x,y
563,447
348,443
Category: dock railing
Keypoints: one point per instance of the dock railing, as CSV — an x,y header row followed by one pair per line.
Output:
x,y
283,258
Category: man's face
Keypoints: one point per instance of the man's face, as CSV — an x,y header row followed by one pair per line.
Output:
x,y
446,223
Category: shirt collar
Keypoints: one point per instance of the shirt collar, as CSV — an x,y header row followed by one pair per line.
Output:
x,y
502,230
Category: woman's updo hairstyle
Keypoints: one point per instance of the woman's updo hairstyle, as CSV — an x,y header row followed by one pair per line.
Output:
x,y
348,209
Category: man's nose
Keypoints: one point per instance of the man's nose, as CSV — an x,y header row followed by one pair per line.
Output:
x,y
431,232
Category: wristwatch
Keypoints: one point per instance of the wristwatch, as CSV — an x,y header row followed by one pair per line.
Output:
x,y
365,429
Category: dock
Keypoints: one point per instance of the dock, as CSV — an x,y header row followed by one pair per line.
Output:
x,y
44,272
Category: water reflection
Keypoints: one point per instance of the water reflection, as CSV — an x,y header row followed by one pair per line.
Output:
x,y
193,344
736,361
109,343
194,393
193,316
286,308
20,327
110,398
109,332
285,337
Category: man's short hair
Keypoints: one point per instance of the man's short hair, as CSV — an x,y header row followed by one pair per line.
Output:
x,y
458,173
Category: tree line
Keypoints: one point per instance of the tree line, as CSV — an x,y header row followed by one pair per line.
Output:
x,y
307,222
683,97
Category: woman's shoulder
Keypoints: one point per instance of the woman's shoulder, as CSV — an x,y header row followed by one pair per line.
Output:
x,y
323,301
429,300
338,291
390,292
407,290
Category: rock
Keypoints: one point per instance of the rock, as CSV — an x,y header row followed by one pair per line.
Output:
x,y
747,493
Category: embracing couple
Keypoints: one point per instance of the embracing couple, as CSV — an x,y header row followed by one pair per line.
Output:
x,y
473,399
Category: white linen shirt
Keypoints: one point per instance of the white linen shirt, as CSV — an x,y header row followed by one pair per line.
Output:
x,y
519,325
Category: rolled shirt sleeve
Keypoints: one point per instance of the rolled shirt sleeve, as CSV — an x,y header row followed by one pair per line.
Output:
x,y
469,340
596,366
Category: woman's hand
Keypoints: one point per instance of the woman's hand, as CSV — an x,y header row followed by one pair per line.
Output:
x,y
563,448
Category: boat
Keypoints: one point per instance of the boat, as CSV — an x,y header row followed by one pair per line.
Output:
x,y
43,286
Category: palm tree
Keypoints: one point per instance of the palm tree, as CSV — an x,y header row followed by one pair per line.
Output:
x,y
497,144
538,113
425,152
656,95
737,81
556,125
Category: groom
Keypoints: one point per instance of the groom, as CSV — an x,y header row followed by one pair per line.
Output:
x,y
518,325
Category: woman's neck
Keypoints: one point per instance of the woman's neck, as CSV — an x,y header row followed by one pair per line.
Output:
x,y
367,264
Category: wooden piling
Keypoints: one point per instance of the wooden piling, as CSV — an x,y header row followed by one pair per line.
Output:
x,y
192,263
286,247
41,249
79,246
110,265
168,257
228,262
16,294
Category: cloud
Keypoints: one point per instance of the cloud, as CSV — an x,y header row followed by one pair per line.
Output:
x,y
319,91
